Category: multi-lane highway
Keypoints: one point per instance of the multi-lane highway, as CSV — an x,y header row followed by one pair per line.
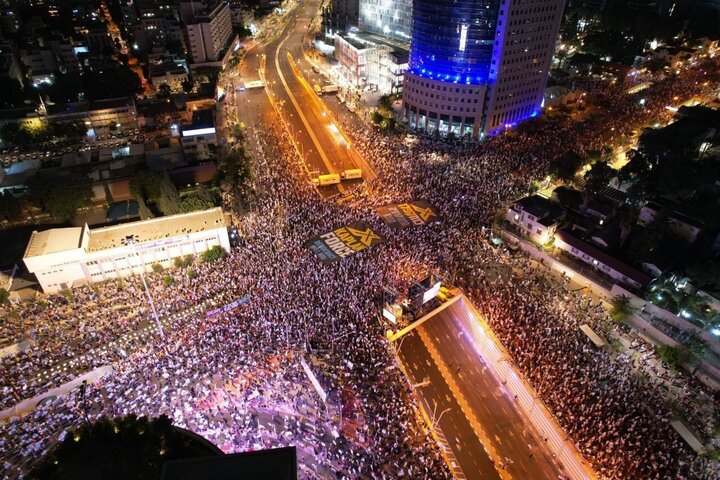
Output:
x,y
279,61
485,432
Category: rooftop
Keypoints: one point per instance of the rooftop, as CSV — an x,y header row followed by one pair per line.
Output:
x,y
155,229
275,464
200,119
541,208
78,107
602,257
53,240
362,40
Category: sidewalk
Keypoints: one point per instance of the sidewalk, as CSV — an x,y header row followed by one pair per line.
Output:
x,y
535,411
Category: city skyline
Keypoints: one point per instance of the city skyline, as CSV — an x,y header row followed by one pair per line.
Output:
x,y
248,236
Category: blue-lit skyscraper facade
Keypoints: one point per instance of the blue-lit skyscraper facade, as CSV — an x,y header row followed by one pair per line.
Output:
x,y
478,66
453,39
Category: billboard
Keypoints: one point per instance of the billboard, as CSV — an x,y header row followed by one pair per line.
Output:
x,y
415,213
343,242
431,293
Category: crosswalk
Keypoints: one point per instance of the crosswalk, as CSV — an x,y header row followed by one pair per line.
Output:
x,y
457,472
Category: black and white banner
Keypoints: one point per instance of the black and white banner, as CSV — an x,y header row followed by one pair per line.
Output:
x,y
415,213
343,242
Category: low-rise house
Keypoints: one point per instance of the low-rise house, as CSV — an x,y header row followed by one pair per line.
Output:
x,y
680,222
536,217
607,236
198,138
168,72
61,258
675,56
559,95
601,261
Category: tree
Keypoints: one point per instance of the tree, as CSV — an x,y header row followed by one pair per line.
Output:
x,y
163,91
187,85
168,280
376,117
10,207
674,356
117,81
565,167
213,254
4,296
385,102
147,185
627,217
12,93
194,202
60,195
636,167
598,177
621,309
646,242
157,268
706,273
126,447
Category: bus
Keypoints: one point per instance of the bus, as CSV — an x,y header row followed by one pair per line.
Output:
x,y
254,84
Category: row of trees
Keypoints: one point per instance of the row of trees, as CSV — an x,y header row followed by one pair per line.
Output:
x,y
23,134
158,192
235,172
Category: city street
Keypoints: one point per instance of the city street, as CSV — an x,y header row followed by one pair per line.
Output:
x,y
480,420
318,139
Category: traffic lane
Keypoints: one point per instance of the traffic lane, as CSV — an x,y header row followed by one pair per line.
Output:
x,y
465,444
338,151
311,156
498,413
330,140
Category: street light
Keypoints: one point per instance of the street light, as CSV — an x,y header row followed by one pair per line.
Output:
x,y
130,240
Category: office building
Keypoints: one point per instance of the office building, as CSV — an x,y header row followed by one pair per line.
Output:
x,y
209,29
478,66
62,258
392,18
370,60
342,15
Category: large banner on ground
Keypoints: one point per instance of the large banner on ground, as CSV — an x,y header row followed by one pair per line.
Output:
x,y
342,242
415,213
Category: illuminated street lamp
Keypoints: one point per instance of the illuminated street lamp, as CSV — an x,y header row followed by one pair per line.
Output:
x,y
130,240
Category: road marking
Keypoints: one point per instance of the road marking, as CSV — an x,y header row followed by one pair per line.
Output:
x,y
309,130
464,405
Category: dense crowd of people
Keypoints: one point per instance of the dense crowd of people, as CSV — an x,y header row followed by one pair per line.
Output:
x,y
236,378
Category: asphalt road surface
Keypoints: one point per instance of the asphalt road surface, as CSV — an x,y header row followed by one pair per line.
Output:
x,y
321,144
482,422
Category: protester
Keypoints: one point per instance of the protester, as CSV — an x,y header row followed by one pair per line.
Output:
x,y
236,377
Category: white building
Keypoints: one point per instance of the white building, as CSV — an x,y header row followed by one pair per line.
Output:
x,y
601,261
525,40
368,59
168,72
536,217
209,29
62,258
392,18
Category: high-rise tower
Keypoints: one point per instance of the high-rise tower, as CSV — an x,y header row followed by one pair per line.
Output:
x,y
478,66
